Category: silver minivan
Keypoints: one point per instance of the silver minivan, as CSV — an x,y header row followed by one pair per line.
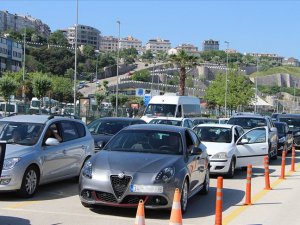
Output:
x,y
41,149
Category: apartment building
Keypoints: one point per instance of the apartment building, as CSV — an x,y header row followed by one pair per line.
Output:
x,y
291,62
108,44
18,22
156,45
189,49
86,35
130,42
271,56
210,45
11,55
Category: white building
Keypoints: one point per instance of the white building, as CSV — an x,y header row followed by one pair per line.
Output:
x,y
17,23
86,35
108,44
130,42
189,49
156,45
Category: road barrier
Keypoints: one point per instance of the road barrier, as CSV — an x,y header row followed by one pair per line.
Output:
x,y
267,174
293,159
140,214
248,185
219,201
282,175
176,215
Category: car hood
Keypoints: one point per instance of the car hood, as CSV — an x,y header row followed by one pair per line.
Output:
x,y
14,150
215,147
132,161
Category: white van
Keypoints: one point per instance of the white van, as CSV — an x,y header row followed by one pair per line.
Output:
x,y
168,106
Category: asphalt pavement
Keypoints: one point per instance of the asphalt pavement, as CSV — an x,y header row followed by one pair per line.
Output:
x,y
58,203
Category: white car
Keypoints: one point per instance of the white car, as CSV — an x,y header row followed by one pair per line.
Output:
x,y
229,147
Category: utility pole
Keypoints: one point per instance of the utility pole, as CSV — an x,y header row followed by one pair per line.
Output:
x,y
75,73
256,96
24,54
226,84
118,55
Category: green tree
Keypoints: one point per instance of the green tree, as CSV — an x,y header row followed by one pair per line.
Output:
x,y
182,60
239,90
88,51
41,86
62,88
58,38
147,56
8,87
141,75
99,98
122,99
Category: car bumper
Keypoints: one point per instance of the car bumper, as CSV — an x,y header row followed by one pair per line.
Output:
x,y
100,192
11,180
219,167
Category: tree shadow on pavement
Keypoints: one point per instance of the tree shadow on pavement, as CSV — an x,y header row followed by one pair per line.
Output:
x,y
8,220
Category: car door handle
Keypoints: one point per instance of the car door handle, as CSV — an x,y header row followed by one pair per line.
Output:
x,y
263,148
83,147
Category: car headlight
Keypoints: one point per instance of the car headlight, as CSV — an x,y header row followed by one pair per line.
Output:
x,y
87,170
166,174
282,139
10,163
220,155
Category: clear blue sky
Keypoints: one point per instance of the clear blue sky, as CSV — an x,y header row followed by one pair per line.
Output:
x,y
249,26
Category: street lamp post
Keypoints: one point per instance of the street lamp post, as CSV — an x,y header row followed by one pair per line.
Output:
x,y
295,97
226,85
75,72
152,79
256,96
118,55
24,54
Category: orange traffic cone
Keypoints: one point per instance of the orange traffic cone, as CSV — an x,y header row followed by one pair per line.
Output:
x,y
267,175
140,214
293,159
282,175
248,186
219,201
176,216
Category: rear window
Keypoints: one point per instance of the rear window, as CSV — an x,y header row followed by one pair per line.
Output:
x,y
80,129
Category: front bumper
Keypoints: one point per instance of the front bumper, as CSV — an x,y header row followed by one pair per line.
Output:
x,y
100,191
219,166
11,180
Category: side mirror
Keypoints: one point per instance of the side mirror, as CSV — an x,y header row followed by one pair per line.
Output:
x,y
52,142
243,141
100,144
196,151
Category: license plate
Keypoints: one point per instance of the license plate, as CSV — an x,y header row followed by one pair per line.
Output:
x,y
146,189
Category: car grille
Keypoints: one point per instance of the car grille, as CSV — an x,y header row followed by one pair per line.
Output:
x,y
133,199
119,185
106,197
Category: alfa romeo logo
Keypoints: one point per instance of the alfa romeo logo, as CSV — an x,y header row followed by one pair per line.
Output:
x,y
121,175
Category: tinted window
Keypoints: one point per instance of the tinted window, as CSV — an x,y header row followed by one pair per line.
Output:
x,y
291,122
109,127
146,141
280,127
69,131
247,122
160,110
80,129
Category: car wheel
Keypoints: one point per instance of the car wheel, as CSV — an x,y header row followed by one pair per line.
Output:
x,y
231,171
29,182
205,189
184,197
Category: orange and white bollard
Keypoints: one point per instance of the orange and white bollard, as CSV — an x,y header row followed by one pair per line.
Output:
x,y
176,215
219,201
267,174
248,186
140,214
293,159
282,175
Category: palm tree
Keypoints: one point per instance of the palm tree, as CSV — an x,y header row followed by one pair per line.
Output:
x,y
182,60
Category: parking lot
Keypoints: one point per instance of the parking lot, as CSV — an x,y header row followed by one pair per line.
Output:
x,y
58,203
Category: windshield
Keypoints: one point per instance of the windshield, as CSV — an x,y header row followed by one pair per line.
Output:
x,y
160,110
166,122
107,127
146,141
214,134
202,121
280,127
20,133
293,123
247,122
